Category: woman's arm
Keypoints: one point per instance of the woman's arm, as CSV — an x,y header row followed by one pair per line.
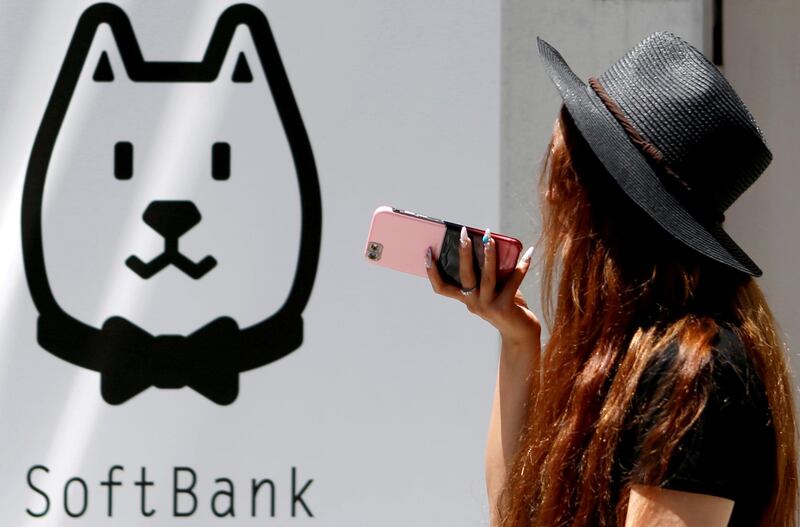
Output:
x,y
511,395
657,507
518,367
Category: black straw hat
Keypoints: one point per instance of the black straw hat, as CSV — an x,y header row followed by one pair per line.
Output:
x,y
674,135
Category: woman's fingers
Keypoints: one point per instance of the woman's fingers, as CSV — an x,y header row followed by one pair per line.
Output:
x,y
484,294
489,270
515,280
514,324
465,269
437,283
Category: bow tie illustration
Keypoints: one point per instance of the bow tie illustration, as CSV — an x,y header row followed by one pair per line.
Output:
x,y
134,360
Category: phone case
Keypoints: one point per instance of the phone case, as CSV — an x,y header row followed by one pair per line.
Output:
x,y
398,240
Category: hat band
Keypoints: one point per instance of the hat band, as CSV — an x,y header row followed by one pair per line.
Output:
x,y
651,152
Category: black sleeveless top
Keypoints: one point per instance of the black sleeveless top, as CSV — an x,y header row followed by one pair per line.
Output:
x,y
730,452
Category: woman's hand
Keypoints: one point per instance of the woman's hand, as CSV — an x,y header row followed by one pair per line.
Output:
x,y
506,310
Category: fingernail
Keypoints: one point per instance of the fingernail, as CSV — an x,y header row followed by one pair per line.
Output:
x,y
487,236
527,256
464,237
428,258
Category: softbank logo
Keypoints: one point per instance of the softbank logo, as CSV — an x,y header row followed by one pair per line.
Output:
x,y
255,498
171,214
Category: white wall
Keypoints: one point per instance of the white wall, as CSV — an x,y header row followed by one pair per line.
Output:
x,y
761,59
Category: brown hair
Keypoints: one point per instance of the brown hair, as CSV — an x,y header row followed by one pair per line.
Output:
x,y
616,291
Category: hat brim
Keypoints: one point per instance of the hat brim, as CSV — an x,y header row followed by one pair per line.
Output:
x,y
628,166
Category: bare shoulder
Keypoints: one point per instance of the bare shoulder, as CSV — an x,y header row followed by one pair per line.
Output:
x,y
659,507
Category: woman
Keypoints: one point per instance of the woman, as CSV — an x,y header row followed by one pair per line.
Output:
x,y
662,396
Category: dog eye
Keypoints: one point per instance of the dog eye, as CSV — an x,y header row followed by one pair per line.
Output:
x,y
123,160
221,161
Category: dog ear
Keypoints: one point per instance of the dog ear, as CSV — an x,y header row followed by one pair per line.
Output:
x,y
103,44
104,59
241,64
103,72
241,72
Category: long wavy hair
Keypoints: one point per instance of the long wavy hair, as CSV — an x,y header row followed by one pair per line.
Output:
x,y
615,293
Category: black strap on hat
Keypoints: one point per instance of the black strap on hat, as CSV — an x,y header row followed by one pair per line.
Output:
x,y
671,179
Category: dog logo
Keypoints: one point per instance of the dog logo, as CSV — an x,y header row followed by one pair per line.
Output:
x,y
171,213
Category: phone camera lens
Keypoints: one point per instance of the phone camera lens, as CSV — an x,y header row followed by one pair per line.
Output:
x,y
374,250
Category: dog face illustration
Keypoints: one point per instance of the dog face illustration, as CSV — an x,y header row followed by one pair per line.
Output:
x,y
171,212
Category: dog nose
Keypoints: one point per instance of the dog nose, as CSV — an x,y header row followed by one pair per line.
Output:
x,y
171,219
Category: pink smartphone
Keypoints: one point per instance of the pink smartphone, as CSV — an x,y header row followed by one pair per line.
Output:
x,y
398,240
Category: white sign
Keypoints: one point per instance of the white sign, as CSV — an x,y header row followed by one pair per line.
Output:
x,y
187,188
